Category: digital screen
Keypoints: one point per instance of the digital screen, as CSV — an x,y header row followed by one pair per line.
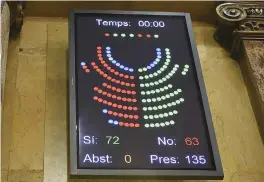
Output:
x,y
138,100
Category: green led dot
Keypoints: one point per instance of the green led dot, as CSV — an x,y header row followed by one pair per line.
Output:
x,y
151,84
155,108
131,35
170,113
173,103
175,92
115,34
157,91
163,97
146,77
176,65
142,93
175,112
148,100
170,74
164,79
162,89
146,125
162,124
147,92
154,99
156,116
167,77
167,49
178,102
164,106
168,53
179,90
160,107
169,104
141,85
123,35
170,85
165,66
167,123
150,108
143,100
145,108
162,69
156,36
160,81
166,63
186,66
152,125
181,99
147,84
145,69
161,115
155,74
166,115
158,98
167,60
145,117
157,124
183,73
156,82
167,96
141,77
157,59
150,75
171,94
168,56
185,69
140,70
151,117
152,91
159,72
172,122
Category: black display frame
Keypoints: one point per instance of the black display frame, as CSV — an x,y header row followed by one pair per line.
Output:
x,y
73,170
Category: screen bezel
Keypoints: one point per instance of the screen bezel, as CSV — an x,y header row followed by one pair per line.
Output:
x,y
73,170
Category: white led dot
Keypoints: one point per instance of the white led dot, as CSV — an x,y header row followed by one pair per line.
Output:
x,y
168,56
174,103
172,122
150,75
148,100
186,66
147,84
170,86
151,84
176,65
143,100
155,74
181,99
156,36
160,107
155,108
162,124
156,116
157,124
146,125
140,70
163,97
175,112
183,73
167,49
154,99
145,109
141,77
175,92
141,85
158,98
164,106
166,114
158,91
159,72
179,90
142,93
131,35
123,35
156,82
169,104
151,117
178,102
171,94
145,117
170,113
167,123
150,108
185,69
168,96
148,92
152,125
145,69
115,34
152,91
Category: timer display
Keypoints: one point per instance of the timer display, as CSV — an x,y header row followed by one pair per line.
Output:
x,y
137,99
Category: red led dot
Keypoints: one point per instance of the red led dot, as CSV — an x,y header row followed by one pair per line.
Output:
x,y
123,83
133,92
124,99
136,117
119,106
113,80
100,58
108,78
118,90
114,96
137,125
100,100
108,68
100,91
107,34
127,84
126,124
101,73
114,88
108,86
131,124
134,100
99,55
125,107
121,123
110,112
128,92
96,88
117,81
135,108
129,108
99,47
139,35
99,52
118,98
93,63
84,67
121,75
132,85
120,115
104,84
125,116
96,67
105,65
112,70
129,99
105,75
104,93
126,76
115,113
109,95
116,73
148,35
104,102
123,91
87,70
103,62
114,105
132,77
95,98
109,103
130,116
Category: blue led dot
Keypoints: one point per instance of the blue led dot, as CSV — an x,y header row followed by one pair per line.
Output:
x,y
126,68
111,59
116,122
117,64
109,55
152,65
108,48
158,53
148,67
131,70
105,111
114,61
82,63
155,62
121,66
158,56
108,52
110,121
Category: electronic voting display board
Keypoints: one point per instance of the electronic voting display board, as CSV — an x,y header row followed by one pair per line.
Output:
x,y
137,101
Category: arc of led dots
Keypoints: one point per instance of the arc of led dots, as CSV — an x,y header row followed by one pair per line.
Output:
x,y
163,106
163,97
113,61
157,90
158,72
185,69
114,105
161,124
112,70
97,69
116,89
156,61
124,124
113,96
87,70
160,81
121,115
161,115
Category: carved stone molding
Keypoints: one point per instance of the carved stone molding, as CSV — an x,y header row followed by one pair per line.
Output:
x,y
239,21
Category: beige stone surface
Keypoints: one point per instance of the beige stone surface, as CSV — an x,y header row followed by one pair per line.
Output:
x,y
239,142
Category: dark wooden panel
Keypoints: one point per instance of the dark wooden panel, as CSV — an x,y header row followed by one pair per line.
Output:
x,y
200,11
